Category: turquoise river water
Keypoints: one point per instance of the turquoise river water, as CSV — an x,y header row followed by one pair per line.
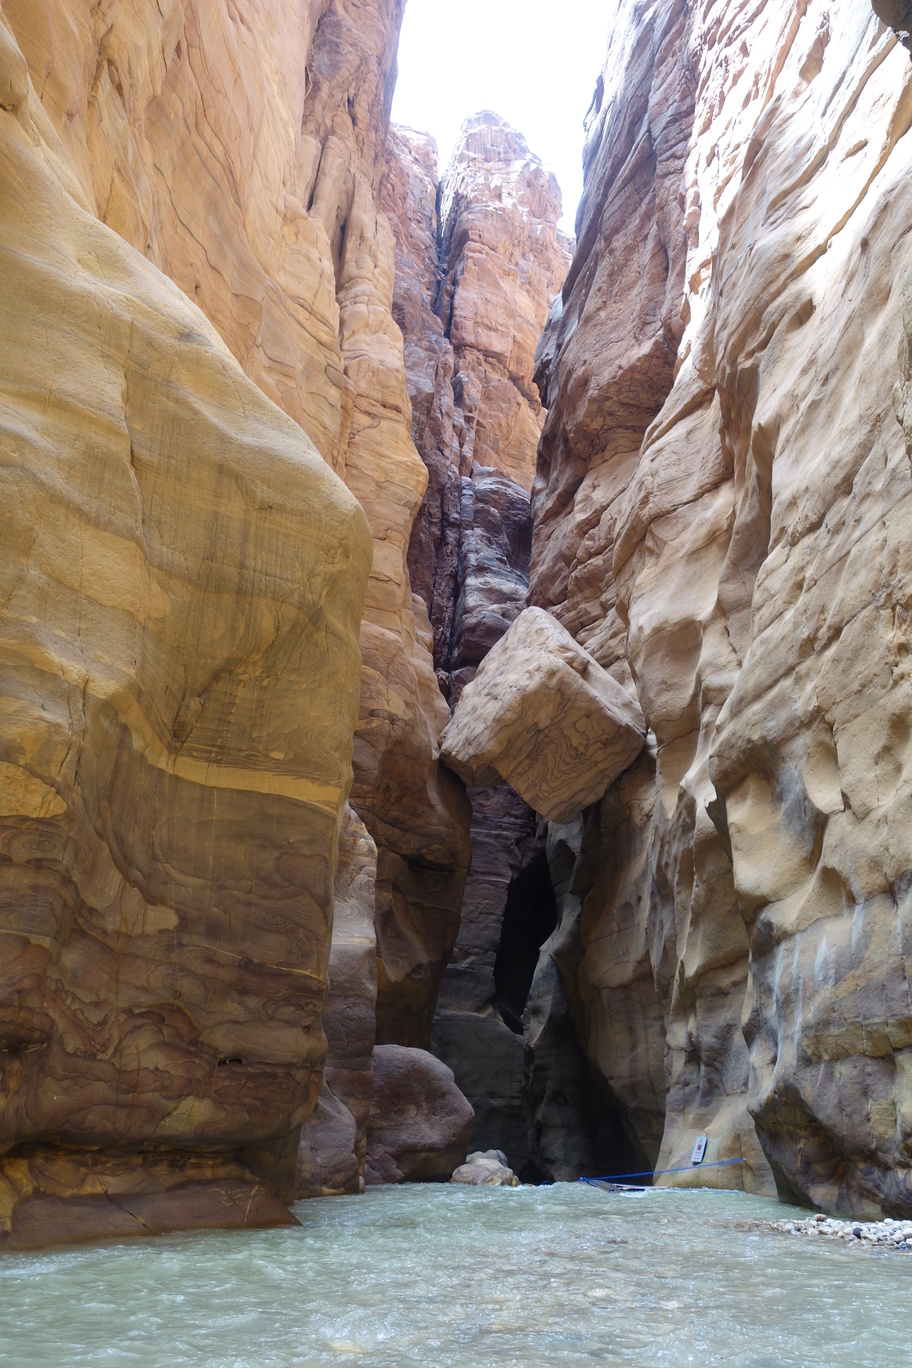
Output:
x,y
450,1277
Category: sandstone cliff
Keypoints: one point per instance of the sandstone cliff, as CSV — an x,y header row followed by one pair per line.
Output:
x,y
241,153
479,259
180,568
197,265
721,518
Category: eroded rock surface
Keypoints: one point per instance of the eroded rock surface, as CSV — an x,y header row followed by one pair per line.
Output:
x,y
503,261
180,567
542,715
243,154
473,289
721,513
486,1168
488,271
332,1149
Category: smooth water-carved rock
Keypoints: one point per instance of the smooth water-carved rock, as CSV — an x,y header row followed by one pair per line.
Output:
x,y
181,568
420,1122
243,155
542,715
721,514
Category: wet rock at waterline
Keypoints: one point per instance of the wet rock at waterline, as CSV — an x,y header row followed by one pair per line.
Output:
x,y
332,1149
545,717
485,1168
420,1122
721,509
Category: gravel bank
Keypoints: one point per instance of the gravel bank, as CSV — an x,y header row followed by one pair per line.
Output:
x,y
886,1234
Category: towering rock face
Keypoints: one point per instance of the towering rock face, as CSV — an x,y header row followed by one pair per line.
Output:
x,y
180,570
503,260
722,507
243,154
473,289
240,149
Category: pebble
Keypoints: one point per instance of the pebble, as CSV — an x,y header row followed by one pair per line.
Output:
x,y
886,1234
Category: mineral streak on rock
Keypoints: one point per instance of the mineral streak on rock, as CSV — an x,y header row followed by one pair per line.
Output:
x,y
472,293
180,570
503,261
722,505
242,152
542,715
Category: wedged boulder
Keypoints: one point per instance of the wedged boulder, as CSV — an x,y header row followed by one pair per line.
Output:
x,y
420,1122
543,715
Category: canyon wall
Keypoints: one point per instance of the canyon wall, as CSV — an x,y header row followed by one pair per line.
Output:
x,y
479,259
722,505
242,149
180,568
239,149
232,303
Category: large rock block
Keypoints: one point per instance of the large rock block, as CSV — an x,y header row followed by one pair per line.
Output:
x,y
420,1123
182,579
544,716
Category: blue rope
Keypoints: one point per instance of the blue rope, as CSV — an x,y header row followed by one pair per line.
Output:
x,y
656,1173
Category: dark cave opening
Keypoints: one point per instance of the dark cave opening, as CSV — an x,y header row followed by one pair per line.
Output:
x,y
529,919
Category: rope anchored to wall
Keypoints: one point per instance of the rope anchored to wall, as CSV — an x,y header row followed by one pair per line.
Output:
x,y
657,1173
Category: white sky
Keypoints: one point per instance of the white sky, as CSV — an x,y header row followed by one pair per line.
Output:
x,y
533,62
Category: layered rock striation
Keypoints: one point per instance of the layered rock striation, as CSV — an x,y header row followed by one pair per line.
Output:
x,y
241,153
181,568
479,259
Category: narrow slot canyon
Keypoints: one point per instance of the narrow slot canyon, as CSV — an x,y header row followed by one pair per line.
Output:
x,y
455,700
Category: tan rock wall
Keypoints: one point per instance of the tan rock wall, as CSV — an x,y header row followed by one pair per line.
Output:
x,y
241,148
720,519
180,569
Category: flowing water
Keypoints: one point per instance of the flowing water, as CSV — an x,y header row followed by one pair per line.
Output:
x,y
448,1277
